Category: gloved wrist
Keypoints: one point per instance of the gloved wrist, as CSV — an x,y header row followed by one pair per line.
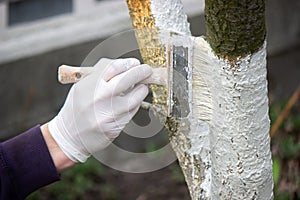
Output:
x,y
60,160
73,149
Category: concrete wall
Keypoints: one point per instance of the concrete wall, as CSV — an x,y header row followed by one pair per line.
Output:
x,y
29,91
283,24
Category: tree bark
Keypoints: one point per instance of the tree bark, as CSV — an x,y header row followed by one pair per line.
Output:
x,y
239,137
238,125
235,28
223,146
240,143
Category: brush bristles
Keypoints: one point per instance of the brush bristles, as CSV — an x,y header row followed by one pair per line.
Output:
x,y
202,100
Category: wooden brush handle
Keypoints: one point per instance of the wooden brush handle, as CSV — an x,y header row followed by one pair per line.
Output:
x,y
68,74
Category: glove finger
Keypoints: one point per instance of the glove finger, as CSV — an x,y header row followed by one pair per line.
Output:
x,y
120,122
118,66
131,100
125,81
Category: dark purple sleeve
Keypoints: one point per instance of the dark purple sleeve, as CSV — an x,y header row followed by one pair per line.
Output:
x,y
26,165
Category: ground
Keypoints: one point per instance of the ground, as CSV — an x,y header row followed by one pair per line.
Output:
x,y
93,181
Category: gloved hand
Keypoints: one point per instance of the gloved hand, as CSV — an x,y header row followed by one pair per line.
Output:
x,y
99,106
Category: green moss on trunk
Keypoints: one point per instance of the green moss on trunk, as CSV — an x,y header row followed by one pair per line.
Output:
x,y
235,28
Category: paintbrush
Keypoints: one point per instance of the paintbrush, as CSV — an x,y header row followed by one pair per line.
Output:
x,y
69,74
174,76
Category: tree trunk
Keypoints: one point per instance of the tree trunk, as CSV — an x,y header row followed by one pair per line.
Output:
x,y
223,146
239,138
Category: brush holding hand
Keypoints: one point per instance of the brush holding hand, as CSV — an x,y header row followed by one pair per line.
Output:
x,y
117,93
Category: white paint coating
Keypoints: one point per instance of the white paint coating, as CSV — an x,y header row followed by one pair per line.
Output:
x,y
169,16
193,7
200,149
239,124
229,125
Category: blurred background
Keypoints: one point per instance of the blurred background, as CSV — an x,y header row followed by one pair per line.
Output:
x,y
36,36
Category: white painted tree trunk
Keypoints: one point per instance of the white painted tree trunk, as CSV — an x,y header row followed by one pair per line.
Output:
x,y
223,146
233,102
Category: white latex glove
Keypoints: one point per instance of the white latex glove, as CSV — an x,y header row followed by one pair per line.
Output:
x,y
99,106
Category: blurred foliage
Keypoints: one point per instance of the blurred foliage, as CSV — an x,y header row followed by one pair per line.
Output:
x,y
151,147
289,147
108,191
76,182
286,154
276,170
177,174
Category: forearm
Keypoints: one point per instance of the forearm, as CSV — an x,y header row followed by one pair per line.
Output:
x,y
26,165
61,161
